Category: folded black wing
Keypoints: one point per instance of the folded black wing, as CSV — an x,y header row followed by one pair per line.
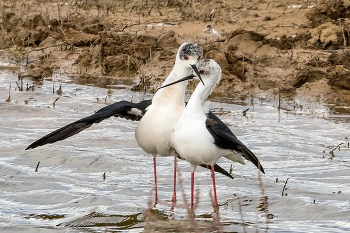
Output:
x,y
124,109
225,139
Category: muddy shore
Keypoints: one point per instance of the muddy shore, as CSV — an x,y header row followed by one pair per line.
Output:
x,y
283,48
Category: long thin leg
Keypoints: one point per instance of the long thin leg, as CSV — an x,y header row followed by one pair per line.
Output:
x,y
155,180
174,193
192,188
214,187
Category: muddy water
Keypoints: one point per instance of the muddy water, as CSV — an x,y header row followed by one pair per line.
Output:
x,y
69,194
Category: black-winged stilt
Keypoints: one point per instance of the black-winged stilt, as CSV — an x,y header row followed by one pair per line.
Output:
x,y
199,136
157,115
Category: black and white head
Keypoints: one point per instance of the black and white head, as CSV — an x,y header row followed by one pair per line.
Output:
x,y
210,71
187,58
189,53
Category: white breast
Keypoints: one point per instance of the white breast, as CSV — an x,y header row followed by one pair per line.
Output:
x,y
153,133
193,142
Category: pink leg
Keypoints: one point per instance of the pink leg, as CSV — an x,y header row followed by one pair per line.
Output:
x,y
174,193
155,179
214,187
192,188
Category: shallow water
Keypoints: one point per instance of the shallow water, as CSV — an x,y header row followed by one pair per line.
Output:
x,y
68,192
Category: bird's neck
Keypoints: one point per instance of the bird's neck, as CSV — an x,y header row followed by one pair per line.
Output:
x,y
198,98
174,93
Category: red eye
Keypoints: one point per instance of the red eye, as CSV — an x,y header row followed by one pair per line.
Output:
x,y
185,57
201,71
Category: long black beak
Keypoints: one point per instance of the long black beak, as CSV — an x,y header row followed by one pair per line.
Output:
x,y
191,76
194,67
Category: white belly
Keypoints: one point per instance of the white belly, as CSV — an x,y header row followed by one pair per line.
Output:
x,y
153,133
194,143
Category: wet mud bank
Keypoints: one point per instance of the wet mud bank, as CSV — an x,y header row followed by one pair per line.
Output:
x,y
278,48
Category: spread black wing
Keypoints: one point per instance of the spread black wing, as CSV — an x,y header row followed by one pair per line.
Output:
x,y
225,139
124,109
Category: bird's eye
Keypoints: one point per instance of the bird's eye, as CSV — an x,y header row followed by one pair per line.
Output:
x,y
201,71
186,57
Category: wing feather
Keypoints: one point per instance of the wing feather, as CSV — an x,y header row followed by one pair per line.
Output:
x,y
225,139
119,109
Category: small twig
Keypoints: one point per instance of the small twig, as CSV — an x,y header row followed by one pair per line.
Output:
x,y
342,28
20,86
9,98
332,151
284,187
59,12
65,37
245,112
338,146
104,176
59,91
279,101
37,166
54,102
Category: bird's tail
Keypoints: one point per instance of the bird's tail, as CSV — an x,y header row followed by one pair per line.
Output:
x,y
252,158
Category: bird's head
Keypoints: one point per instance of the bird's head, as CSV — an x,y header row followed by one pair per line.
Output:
x,y
209,70
188,54
187,58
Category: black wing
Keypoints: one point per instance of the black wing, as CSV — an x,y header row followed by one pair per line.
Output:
x,y
124,109
225,139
